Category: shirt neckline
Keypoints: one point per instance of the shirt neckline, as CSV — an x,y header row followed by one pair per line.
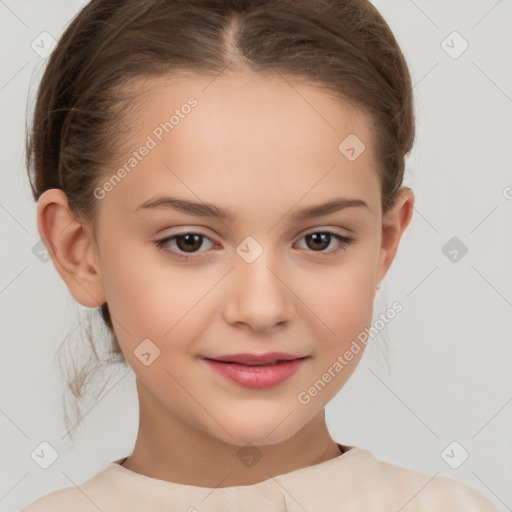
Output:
x,y
348,451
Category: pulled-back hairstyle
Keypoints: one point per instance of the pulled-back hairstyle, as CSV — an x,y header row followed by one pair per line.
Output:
x,y
345,46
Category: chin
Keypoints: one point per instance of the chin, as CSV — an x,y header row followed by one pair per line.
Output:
x,y
254,432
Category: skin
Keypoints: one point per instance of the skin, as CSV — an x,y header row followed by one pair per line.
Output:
x,y
264,159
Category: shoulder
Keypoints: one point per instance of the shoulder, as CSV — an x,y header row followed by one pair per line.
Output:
x,y
88,496
413,491
56,501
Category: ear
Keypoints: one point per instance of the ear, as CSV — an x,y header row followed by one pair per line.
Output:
x,y
394,223
72,248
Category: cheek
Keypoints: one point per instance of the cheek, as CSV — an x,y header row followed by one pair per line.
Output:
x,y
153,299
340,300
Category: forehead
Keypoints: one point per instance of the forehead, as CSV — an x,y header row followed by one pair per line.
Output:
x,y
250,102
246,136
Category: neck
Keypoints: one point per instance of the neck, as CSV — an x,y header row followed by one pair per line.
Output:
x,y
170,449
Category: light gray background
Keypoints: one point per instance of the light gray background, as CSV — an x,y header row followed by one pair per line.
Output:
x,y
449,376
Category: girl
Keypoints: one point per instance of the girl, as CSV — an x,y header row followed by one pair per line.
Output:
x,y
223,180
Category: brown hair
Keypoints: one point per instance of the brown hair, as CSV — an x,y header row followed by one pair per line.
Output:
x,y
343,45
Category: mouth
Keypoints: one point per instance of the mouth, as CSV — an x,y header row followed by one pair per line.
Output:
x,y
248,372
271,358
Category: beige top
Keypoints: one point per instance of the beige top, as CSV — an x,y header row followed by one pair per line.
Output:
x,y
355,481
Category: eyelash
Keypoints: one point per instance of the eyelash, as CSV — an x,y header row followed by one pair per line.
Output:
x,y
162,243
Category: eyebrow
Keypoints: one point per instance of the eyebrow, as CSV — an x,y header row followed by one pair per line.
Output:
x,y
210,210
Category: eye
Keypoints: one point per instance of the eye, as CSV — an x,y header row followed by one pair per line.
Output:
x,y
319,240
187,242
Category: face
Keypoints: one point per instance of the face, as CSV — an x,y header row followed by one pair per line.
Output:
x,y
185,285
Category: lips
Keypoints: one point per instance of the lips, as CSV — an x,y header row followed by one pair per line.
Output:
x,y
268,359
256,371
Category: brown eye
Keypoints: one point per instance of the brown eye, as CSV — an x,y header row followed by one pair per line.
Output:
x,y
318,241
186,243
189,242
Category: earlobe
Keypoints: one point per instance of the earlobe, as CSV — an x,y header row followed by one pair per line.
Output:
x,y
394,224
71,247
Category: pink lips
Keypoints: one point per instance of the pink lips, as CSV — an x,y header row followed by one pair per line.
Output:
x,y
256,371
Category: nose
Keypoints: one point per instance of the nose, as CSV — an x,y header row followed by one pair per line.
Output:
x,y
258,295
